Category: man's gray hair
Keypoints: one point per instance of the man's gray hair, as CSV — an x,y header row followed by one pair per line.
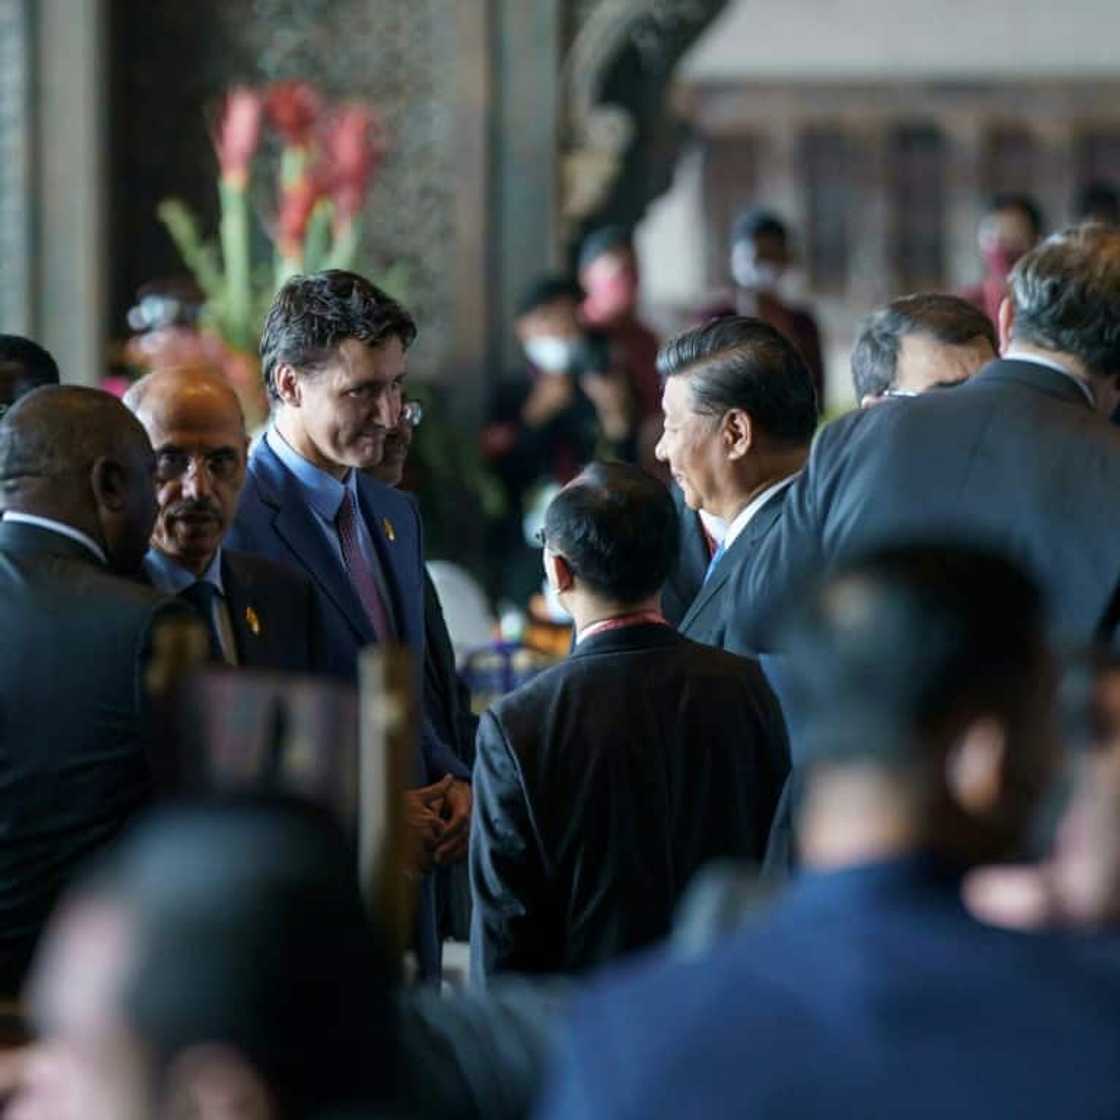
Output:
x,y
1066,295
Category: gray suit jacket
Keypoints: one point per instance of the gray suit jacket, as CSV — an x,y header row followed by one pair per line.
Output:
x,y
1015,459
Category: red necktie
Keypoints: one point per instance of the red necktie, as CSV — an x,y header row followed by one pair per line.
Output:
x,y
360,572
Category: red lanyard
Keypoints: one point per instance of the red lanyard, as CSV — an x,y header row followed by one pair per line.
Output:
x,y
640,618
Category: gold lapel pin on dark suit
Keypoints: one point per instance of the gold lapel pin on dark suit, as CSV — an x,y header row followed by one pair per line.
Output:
x,y
390,532
252,620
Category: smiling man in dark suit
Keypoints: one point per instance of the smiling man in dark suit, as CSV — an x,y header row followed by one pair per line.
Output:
x,y
333,356
259,614
740,410
604,783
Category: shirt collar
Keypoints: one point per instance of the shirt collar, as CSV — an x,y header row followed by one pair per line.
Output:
x,y
61,528
323,491
171,577
746,515
1014,355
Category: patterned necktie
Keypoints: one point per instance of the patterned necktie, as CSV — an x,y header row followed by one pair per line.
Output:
x,y
201,595
359,570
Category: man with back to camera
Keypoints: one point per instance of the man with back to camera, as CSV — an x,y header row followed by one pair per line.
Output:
x,y
333,357
866,989
259,614
604,783
925,341
76,485
1021,455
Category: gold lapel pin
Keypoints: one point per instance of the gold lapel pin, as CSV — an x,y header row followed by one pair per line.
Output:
x,y
253,620
390,532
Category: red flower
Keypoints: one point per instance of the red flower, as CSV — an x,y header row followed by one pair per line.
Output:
x,y
293,108
297,202
237,133
354,143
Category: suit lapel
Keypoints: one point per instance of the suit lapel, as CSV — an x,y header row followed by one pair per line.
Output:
x,y
251,635
395,546
297,527
762,522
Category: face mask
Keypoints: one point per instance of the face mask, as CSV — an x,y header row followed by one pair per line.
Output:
x,y
551,354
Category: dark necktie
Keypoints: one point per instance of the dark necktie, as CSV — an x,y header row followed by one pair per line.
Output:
x,y
360,572
201,596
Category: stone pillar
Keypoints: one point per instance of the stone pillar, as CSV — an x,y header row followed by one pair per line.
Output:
x,y
16,182
71,293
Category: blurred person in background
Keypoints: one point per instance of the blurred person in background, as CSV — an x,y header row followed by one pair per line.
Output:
x,y
79,643
609,273
258,614
1011,227
604,783
761,256
1098,202
920,342
927,689
219,964
569,405
24,365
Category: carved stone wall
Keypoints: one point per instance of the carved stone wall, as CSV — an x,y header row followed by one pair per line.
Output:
x,y
173,62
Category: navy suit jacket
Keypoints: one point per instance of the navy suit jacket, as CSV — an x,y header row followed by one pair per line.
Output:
x,y
864,992
1014,458
691,565
274,520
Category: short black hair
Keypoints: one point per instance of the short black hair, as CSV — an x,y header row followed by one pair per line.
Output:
x,y
945,318
1012,200
250,931
893,653
25,365
609,239
550,288
1097,201
617,527
757,222
1066,295
741,362
312,316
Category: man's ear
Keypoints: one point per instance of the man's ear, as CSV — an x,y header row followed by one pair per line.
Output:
x,y
213,1082
974,768
1005,321
559,571
287,385
738,433
109,482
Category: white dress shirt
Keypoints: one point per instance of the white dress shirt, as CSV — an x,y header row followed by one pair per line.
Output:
x,y
59,527
744,517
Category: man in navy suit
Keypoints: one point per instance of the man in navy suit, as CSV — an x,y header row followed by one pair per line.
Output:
x,y
333,360
867,989
259,614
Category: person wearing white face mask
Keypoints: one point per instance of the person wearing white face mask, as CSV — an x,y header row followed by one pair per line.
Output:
x,y
761,256
570,405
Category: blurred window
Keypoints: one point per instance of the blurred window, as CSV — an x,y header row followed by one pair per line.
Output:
x,y
916,189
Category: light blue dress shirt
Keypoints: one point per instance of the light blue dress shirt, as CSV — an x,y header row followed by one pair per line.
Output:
x,y
171,578
324,494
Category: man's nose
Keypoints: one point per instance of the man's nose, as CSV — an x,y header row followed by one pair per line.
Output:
x,y
389,410
660,451
196,480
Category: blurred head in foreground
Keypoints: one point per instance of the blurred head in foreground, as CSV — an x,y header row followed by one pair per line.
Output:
x,y
923,682
219,964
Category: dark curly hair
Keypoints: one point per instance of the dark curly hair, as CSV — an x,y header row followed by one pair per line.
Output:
x,y
312,315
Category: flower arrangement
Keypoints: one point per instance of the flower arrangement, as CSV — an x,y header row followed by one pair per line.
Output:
x,y
329,154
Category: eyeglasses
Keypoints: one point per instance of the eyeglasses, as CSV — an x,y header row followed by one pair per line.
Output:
x,y
221,466
412,412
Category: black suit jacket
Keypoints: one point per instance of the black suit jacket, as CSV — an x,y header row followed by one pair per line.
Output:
x,y
693,558
1015,458
603,784
73,721
274,613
